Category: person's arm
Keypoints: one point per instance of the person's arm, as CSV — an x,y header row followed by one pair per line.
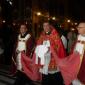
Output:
x,y
30,46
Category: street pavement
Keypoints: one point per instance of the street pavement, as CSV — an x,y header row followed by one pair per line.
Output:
x,y
5,78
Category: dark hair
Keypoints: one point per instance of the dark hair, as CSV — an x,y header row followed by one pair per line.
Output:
x,y
23,24
46,21
81,21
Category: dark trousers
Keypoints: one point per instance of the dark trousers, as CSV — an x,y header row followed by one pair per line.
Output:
x,y
22,79
52,79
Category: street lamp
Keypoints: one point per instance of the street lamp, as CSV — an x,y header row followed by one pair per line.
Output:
x,y
38,13
3,21
76,23
72,29
53,18
68,20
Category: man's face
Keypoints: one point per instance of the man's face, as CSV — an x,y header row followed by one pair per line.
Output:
x,y
46,27
23,29
81,28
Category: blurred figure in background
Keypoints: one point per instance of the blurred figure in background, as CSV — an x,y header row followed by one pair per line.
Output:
x,y
71,37
1,51
63,37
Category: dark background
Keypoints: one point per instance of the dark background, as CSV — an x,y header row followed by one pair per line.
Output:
x,y
70,8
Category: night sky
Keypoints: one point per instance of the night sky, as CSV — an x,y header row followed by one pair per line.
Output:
x,y
74,9
77,9
70,8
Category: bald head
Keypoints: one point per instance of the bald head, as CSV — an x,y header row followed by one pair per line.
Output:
x,y
81,28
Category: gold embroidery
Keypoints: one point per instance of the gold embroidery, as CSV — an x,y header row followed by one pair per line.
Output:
x,y
52,65
56,47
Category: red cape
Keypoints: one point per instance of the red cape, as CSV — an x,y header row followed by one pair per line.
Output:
x,y
68,66
29,66
30,69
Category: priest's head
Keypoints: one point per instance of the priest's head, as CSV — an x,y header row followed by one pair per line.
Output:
x,y
23,29
81,28
46,27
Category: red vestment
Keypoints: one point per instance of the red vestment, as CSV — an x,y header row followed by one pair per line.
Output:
x,y
56,43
